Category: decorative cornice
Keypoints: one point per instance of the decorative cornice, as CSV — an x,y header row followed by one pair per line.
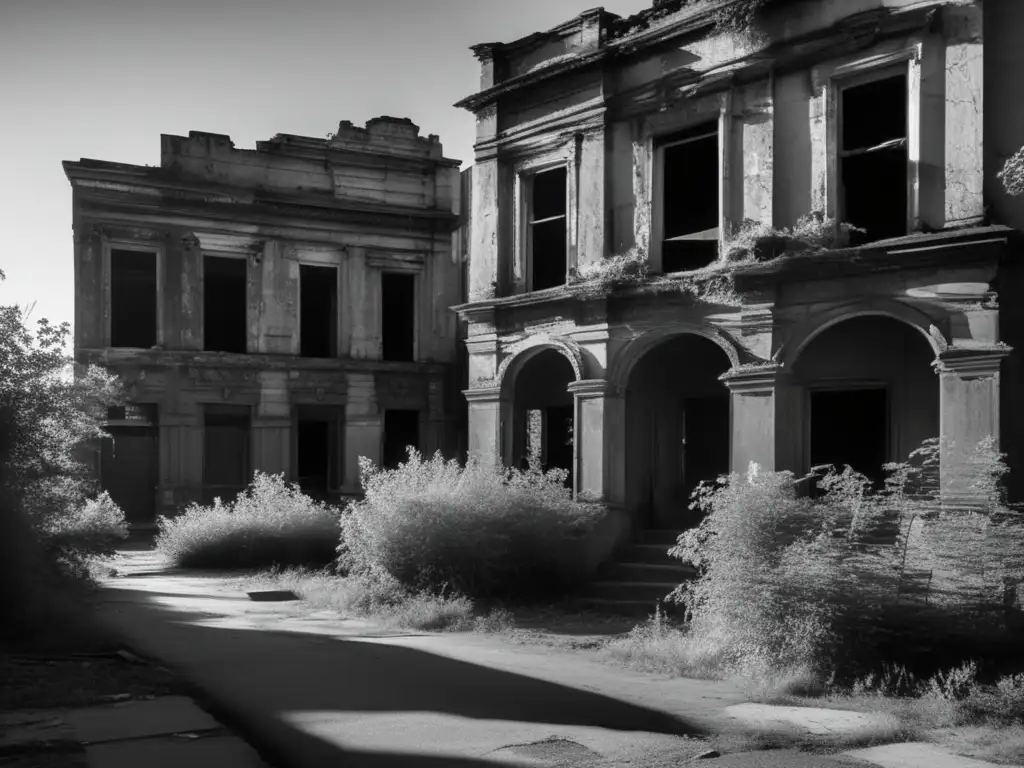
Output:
x,y
972,362
760,379
593,388
488,394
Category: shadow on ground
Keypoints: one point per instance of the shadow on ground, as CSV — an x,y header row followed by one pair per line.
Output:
x,y
254,678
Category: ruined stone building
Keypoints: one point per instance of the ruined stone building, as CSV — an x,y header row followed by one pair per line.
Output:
x,y
284,309
608,145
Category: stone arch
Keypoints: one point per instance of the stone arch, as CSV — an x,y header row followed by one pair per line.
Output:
x,y
523,351
806,331
625,361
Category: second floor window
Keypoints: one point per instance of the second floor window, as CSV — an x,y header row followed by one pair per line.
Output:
x,y
133,299
690,191
318,311
225,304
546,228
873,155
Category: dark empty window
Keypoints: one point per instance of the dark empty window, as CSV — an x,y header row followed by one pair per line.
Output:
x,y
133,303
873,157
690,209
851,427
401,430
225,449
318,310
224,304
547,228
317,449
398,315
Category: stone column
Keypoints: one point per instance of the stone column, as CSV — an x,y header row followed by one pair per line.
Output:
x,y
363,428
596,403
767,420
968,404
272,424
490,424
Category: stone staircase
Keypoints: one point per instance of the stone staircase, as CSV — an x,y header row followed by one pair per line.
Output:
x,y
640,575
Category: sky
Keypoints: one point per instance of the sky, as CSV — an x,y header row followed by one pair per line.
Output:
x,y
104,78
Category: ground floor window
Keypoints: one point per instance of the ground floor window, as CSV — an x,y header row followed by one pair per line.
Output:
x,y
401,430
226,450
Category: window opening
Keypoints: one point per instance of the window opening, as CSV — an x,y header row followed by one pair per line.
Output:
x,y
691,182
225,326
547,228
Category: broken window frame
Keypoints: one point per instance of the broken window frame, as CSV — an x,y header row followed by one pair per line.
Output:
x,y
844,84
222,255
523,271
662,139
827,81
129,245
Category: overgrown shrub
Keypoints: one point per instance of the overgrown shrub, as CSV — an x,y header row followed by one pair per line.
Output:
x,y
271,523
90,530
1012,174
626,269
858,576
812,233
478,529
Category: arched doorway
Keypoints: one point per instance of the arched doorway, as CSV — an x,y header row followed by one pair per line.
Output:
x,y
871,395
677,429
543,412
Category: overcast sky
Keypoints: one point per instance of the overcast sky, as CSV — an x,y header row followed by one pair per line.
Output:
x,y
104,78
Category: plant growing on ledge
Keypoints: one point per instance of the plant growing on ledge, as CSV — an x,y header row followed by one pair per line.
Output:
x,y
814,232
620,270
1012,174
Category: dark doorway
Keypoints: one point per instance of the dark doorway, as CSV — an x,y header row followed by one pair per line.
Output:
x,y
874,157
317,450
690,207
558,439
226,446
547,226
851,427
706,433
318,311
128,471
401,430
133,299
398,315
225,303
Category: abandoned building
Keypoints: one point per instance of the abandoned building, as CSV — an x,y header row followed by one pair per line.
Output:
x,y
658,275
284,309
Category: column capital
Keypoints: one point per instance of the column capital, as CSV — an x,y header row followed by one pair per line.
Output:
x,y
760,379
972,362
594,388
487,394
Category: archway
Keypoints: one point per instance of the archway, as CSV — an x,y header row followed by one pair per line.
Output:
x,y
677,428
871,395
543,411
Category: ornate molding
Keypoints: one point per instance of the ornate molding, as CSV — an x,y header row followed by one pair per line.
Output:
x,y
594,388
972,362
190,243
486,394
757,379
569,349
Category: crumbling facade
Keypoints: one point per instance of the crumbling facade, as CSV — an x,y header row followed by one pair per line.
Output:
x,y
639,312
283,309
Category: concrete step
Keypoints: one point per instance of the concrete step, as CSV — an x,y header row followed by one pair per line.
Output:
x,y
665,537
630,590
647,572
655,554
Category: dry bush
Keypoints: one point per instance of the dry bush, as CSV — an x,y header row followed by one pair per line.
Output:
x,y
270,523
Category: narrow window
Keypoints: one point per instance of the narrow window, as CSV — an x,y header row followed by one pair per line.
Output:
x,y
398,315
401,430
317,443
318,310
691,182
546,228
873,157
133,302
226,442
224,304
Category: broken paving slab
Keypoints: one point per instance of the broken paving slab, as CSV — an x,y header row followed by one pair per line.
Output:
x,y
815,720
918,755
25,727
173,752
139,719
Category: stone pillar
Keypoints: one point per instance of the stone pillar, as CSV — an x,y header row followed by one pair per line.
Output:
x,y
969,404
272,424
767,420
596,403
490,424
363,428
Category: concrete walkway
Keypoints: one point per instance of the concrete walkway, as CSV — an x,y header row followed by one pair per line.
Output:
x,y
313,689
